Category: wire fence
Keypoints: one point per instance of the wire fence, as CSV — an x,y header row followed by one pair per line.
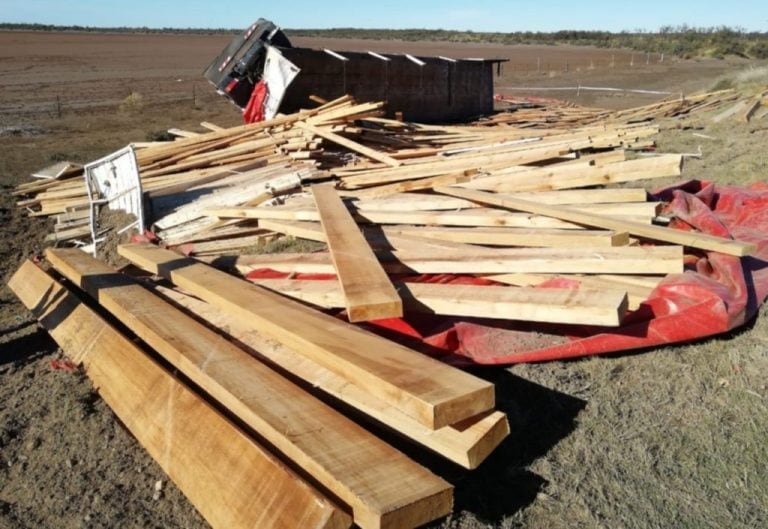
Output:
x,y
61,105
546,66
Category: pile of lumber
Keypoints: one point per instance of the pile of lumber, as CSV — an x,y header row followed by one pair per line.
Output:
x,y
291,459
551,113
257,394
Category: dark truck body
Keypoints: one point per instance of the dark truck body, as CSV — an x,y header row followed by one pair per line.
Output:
x,y
424,89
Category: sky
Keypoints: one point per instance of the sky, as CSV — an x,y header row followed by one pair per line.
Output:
x,y
476,15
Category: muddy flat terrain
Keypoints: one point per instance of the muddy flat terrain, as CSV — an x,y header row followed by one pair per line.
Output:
x,y
43,72
673,437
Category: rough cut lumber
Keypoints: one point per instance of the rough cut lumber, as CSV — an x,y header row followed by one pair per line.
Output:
x,y
433,393
349,144
471,217
517,236
368,292
636,292
613,260
750,110
701,241
421,202
233,481
467,443
553,305
357,470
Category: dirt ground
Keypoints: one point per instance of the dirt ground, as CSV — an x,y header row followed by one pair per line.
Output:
x,y
673,437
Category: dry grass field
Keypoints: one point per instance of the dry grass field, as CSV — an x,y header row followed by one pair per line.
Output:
x,y
669,438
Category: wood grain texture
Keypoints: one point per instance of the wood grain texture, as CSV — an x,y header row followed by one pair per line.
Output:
x,y
229,478
613,260
552,305
368,292
432,393
698,240
467,444
479,217
345,459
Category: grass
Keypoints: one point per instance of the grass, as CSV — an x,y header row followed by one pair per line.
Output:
x,y
669,438
752,79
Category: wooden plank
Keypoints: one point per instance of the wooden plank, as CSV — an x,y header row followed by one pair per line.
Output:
x,y
210,126
517,236
750,110
697,240
349,144
480,217
433,393
614,260
636,293
549,305
230,479
467,443
295,423
368,291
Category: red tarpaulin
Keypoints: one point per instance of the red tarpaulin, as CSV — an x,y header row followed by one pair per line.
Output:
x,y
715,294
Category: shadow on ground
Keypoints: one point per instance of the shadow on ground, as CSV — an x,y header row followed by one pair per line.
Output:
x,y
25,348
539,418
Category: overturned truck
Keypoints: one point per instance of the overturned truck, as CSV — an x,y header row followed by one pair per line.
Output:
x,y
262,72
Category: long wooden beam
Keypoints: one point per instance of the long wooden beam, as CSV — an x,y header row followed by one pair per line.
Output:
x,y
480,217
613,260
422,202
553,305
368,292
296,423
233,481
431,392
517,236
467,443
698,240
637,291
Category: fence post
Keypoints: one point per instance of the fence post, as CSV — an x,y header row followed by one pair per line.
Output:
x,y
538,64
58,106
194,96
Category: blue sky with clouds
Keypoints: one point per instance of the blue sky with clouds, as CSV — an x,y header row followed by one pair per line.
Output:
x,y
478,15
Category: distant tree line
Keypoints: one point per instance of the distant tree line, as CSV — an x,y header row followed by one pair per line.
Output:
x,y
14,26
682,41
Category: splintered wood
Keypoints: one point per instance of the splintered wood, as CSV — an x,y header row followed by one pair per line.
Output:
x,y
506,220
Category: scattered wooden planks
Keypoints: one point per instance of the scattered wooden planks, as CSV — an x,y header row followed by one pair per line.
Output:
x,y
700,241
291,420
230,479
431,392
368,292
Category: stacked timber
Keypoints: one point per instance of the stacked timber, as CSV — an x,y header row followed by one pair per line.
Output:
x,y
282,357
551,113
509,221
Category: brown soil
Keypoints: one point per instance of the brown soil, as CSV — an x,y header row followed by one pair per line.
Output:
x,y
674,437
